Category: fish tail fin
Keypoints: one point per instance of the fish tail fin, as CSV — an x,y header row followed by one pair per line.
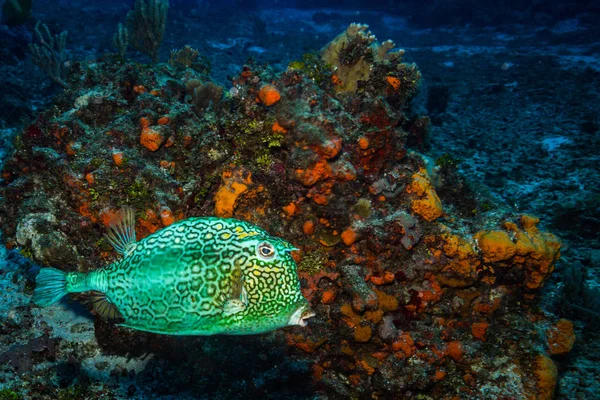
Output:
x,y
51,286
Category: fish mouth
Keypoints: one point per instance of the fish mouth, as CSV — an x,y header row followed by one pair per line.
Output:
x,y
301,315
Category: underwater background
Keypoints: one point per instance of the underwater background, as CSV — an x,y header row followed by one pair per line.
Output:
x,y
437,170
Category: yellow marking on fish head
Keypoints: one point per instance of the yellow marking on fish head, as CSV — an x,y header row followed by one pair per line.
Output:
x,y
244,235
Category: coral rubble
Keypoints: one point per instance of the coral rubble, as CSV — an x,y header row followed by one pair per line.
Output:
x,y
410,294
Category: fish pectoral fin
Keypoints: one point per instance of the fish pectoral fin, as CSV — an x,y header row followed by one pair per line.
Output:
x,y
244,296
239,298
121,231
238,283
233,306
104,307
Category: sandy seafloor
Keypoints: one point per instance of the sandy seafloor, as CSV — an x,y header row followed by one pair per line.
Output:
x,y
517,105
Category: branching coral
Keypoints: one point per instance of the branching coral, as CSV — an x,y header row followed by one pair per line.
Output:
x,y
184,57
352,55
50,54
147,23
121,40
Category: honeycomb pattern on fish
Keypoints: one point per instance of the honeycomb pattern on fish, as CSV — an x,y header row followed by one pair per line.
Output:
x,y
179,279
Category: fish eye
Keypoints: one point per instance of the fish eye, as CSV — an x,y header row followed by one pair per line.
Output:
x,y
266,250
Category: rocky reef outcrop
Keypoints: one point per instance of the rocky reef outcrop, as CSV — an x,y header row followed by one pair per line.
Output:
x,y
418,285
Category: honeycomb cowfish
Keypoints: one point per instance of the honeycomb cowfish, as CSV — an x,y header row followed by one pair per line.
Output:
x,y
198,276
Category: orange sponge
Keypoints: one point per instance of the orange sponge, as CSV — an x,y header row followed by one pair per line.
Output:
x,y
269,95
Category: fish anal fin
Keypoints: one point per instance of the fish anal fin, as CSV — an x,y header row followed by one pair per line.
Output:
x,y
121,231
104,307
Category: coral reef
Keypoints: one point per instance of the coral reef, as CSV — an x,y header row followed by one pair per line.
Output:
x,y
410,295
352,55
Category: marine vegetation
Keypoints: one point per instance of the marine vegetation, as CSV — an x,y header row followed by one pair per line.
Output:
x,y
411,294
49,53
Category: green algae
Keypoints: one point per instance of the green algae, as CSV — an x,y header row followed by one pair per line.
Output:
x,y
313,67
94,194
9,394
96,162
264,161
18,142
255,141
313,262
102,244
363,208
447,161
26,252
137,192
73,393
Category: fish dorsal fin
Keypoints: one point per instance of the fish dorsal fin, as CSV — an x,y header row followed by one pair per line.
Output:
x,y
104,307
121,231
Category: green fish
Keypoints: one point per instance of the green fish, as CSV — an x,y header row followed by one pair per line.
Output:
x,y
198,276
